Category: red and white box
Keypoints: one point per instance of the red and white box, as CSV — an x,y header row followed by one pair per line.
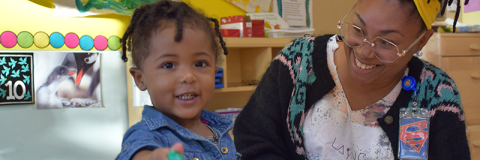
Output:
x,y
231,23
246,26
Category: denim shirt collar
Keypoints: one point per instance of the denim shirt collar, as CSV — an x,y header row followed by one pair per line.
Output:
x,y
156,119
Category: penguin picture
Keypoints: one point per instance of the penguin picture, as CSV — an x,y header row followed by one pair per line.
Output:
x,y
67,80
47,93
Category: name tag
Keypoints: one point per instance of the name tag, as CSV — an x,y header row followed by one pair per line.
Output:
x,y
414,131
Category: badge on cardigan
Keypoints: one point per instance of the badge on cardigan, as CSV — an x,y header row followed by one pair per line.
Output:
x,y
409,83
414,127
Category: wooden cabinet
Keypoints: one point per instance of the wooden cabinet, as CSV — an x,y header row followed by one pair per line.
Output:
x,y
244,66
458,54
473,135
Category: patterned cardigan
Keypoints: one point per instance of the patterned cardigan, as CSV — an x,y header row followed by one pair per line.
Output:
x,y
271,124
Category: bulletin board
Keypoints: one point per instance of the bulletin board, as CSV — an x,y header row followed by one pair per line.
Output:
x,y
68,133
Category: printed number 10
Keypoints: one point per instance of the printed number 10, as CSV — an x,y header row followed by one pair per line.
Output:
x,y
9,85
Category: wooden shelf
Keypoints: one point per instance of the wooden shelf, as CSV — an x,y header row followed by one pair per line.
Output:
x,y
236,89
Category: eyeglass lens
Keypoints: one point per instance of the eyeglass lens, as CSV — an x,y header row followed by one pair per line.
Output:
x,y
353,35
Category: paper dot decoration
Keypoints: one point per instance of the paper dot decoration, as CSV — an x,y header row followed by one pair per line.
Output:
x,y
71,40
25,39
8,39
114,43
100,43
56,40
41,39
86,42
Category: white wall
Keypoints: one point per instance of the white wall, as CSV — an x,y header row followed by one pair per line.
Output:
x,y
69,134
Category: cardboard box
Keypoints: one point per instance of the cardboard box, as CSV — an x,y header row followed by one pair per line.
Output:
x,y
258,28
230,32
246,26
232,22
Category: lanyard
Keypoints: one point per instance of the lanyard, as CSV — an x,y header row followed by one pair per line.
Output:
x,y
414,126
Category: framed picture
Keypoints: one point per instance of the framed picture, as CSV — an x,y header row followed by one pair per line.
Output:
x,y
16,78
67,79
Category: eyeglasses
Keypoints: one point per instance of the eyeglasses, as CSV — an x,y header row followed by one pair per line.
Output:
x,y
385,50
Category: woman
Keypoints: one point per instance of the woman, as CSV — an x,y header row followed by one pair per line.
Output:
x,y
325,99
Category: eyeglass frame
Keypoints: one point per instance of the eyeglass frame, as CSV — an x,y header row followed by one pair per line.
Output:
x,y
403,53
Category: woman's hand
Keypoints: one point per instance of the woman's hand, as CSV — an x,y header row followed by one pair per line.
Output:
x,y
159,153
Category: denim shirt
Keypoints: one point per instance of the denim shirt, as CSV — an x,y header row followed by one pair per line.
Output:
x,y
156,130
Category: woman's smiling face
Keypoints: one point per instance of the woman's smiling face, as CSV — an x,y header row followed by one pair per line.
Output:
x,y
387,19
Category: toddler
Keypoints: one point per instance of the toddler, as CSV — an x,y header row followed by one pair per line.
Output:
x,y
175,51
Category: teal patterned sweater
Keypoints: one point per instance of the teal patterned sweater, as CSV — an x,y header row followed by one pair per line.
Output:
x,y
271,124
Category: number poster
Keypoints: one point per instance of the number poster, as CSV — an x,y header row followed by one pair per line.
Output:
x,y
16,78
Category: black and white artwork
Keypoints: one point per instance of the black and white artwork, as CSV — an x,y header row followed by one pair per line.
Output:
x,y
16,78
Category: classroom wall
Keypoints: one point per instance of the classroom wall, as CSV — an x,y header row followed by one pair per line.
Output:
x,y
65,134
216,8
471,17
326,15
76,133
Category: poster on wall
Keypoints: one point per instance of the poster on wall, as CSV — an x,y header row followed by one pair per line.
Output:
x,y
80,8
296,13
67,80
16,78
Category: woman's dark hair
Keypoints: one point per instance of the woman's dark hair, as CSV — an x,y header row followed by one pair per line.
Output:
x,y
160,15
414,12
457,13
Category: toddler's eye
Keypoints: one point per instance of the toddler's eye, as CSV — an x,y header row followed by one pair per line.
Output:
x,y
200,64
168,65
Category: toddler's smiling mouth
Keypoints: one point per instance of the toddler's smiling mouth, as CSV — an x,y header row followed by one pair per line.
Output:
x,y
187,96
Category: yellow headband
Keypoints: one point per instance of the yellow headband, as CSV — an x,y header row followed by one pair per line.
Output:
x,y
428,11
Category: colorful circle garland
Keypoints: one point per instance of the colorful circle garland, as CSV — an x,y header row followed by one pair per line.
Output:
x,y
114,43
86,42
41,39
8,39
100,43
25,39
71,40
57,40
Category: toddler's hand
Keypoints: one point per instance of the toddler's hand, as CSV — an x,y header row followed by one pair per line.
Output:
x,y
176,152
160,153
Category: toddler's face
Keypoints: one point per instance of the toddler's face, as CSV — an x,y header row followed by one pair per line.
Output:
x,y
180,76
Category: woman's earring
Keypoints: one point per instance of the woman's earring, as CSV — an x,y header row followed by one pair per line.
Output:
x,y
419,53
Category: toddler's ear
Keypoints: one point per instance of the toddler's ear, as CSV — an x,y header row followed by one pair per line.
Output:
x,y
216,69
137,75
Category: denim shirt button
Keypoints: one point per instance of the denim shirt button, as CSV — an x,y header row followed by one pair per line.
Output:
x,y
196,158
224,150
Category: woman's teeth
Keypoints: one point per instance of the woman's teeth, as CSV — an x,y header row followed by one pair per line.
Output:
x,y
187,96
364,66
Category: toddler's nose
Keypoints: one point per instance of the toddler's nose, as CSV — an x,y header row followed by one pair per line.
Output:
x,y
187,77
